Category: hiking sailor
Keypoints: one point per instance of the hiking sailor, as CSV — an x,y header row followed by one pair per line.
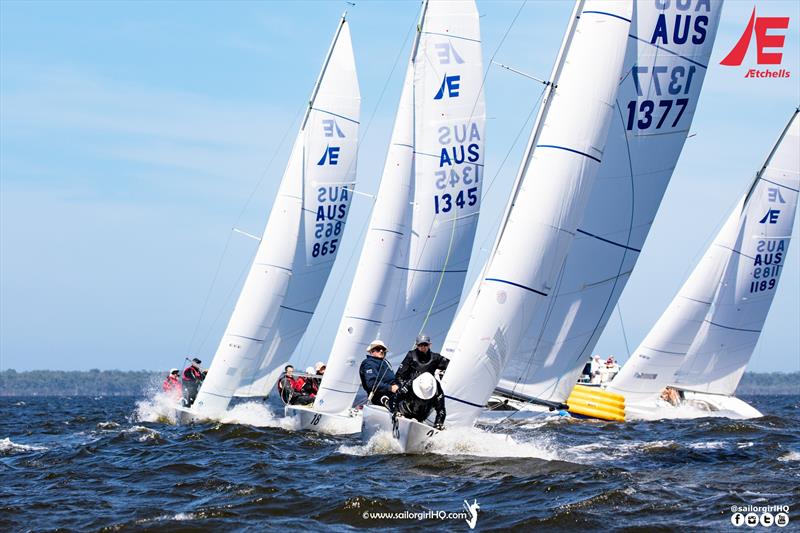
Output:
x,y
172,385
417,399
291,388
193,377
420,360
376,374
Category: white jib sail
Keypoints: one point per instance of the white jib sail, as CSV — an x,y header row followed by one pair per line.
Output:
x,y
705,338
547,206
301,238
667,57
411,271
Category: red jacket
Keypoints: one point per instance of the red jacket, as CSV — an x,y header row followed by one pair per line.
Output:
x,y
172,384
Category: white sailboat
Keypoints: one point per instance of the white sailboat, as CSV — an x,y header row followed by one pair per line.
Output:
x,y
668,52
416,252
546,207
702,343
301,238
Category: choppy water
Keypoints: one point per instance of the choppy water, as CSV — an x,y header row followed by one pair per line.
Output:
x,y
112,464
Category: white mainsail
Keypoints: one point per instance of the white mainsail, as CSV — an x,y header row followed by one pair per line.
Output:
x,y
667,57
546,207
301,238
706,337
412,268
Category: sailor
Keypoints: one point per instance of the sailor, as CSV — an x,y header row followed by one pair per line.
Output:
x,y
376,374
311,385
670,395
417,399
597,364
291,388
172,385
319,368
420,360
612,368
193,376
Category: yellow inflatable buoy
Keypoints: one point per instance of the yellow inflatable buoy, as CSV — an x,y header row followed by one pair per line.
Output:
x,y
596,403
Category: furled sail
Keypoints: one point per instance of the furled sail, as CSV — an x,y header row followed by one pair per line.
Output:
x,y
416,252
706,337
301,238
547,205
667,57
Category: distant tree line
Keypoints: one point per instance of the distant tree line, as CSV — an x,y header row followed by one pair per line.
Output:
x,y
140,382
79,383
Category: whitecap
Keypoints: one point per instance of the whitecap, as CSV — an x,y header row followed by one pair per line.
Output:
x,y
789,456
7,447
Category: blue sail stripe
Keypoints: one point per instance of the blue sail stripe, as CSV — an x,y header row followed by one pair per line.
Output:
x,y
464,401
608,241
366,319
515,285
606,13
732,328
297,310
568,150
425,270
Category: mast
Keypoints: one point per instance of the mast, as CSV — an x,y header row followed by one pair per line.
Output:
x,y
322,71
552,85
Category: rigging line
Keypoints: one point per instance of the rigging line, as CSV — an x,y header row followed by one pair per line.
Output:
x,y
622,325
265,172
365,228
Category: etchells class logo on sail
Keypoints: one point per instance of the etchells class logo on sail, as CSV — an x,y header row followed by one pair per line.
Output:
x,y
768,37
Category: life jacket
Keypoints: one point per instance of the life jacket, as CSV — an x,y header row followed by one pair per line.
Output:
x,y
190,373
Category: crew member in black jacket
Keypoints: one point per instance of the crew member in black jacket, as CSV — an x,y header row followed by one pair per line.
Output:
x,y
420,360
417,399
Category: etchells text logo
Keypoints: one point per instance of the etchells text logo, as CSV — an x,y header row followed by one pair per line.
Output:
x,y
769,46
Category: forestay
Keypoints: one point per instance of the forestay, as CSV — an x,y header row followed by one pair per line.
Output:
x,y
416,252
706,337
667,57
547,205
301,238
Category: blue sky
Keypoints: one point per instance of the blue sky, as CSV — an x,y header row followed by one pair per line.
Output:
x,y
134,136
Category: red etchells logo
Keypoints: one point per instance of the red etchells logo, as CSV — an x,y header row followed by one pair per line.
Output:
x,y
760,26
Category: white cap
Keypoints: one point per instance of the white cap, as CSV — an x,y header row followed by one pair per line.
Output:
x,y
318,365
374,344
424,386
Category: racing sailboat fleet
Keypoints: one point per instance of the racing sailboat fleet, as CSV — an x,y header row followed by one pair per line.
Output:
x,y
609,131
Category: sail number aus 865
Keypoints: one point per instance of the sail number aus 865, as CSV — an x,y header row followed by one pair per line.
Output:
x,y
444,203
324,248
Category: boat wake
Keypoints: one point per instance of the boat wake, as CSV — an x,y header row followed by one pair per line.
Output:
x,y
257,414
461,441
158,407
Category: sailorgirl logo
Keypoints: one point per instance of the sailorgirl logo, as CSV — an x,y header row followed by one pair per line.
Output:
x,y
763,27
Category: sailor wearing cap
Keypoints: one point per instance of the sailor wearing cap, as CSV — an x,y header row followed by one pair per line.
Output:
x,y
420,360
377,376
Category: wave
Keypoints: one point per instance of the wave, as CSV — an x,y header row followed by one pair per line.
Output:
x,y
8,447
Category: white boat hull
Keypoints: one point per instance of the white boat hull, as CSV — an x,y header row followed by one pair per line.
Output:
x,y
410,436
695,405
345,423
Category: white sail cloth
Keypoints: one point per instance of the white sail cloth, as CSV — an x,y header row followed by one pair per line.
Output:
x,y
706,337
668,51
301,238
412,267
548,206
